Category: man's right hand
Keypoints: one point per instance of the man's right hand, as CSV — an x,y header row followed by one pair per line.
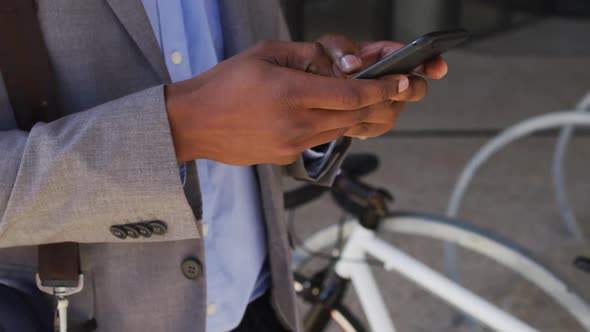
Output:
x,y
270,103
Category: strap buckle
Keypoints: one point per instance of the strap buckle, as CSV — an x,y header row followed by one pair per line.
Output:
x,y
60,291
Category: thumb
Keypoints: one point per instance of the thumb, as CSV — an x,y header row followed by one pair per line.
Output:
x,y
344,52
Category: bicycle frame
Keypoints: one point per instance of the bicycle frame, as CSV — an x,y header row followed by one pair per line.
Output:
x,y
363,241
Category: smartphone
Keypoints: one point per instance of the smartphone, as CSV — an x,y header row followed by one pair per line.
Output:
x,y
414,54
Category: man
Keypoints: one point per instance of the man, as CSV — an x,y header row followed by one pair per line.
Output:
x,y
141,94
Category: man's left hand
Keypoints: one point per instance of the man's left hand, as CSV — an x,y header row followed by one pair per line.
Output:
x,y
350,57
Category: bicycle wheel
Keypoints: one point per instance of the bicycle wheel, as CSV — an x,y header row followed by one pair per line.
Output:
x,y
470,238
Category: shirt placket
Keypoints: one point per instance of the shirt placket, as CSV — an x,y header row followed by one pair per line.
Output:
x,y
173,43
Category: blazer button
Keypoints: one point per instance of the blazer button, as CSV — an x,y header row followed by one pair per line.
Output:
x,y
157,227
191,268
131,231
143,230
118,232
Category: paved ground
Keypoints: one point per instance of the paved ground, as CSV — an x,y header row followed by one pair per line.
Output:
x,y
491,84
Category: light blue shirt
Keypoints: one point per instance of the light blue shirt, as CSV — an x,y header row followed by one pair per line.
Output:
x,y
190,37
189,34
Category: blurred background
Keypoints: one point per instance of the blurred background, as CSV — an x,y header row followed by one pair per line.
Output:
x,y
525,58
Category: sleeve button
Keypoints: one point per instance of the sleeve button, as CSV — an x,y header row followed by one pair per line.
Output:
x,y
157,227
143,230
131,231
118,232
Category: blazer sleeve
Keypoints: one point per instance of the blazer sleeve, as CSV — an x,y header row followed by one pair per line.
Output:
x,y
73,178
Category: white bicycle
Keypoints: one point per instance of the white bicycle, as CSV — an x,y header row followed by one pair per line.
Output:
x,y
350,248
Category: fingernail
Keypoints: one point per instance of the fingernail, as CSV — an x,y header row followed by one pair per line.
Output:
x,y
350,63
403,84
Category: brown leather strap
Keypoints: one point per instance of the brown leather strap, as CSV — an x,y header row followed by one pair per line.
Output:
x,y
25,64
59,264
31,86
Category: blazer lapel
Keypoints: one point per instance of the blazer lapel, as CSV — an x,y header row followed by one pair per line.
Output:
x,y
246,22
237,25
133,17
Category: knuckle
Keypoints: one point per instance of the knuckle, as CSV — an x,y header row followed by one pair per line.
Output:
x,y
316,49
328,38
352,98
386,90
360,115
302,128
284,128
317,61
292,132
265,44
287,95
313,126
379,89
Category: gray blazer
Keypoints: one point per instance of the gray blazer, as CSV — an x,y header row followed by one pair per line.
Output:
x,y
110,160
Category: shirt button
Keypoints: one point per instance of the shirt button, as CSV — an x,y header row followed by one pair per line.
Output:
x,y
118,232
191,268
176,57
157,227
211,308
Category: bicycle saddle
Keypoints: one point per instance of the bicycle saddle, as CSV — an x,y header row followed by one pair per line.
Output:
x,y
360,164
583,263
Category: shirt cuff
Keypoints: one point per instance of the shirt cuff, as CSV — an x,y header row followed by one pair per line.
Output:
x,y
182,171
315,159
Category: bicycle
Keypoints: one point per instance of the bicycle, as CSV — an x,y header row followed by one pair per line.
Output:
x,y
355,237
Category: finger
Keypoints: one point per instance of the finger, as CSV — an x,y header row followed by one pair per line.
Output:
x,y
307,57
378,124
436,68
323,120
343,51
306,91
417,90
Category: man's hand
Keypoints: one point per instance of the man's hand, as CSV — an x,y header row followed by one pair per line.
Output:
x,y
349,57
273,101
